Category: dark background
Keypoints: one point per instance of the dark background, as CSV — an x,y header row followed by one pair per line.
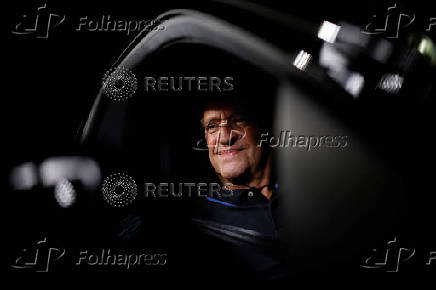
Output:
x,y
49,84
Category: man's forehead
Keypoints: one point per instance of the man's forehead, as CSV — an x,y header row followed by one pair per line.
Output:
x,y
220,112
217,108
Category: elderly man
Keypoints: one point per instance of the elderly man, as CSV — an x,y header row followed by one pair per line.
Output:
x,y
232,135
242,223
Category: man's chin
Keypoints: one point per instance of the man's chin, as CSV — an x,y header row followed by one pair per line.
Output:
x,y
231,173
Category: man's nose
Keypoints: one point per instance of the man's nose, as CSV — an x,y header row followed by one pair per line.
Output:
x,y
227,136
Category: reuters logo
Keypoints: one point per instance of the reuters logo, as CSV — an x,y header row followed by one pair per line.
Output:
x,y
119,84
119,190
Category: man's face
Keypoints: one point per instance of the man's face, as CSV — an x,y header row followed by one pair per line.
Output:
x,y
232,140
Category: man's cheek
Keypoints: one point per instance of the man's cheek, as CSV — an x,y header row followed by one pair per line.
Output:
x,y
215,163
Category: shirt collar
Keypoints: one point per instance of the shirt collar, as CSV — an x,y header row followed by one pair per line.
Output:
x,y
240,197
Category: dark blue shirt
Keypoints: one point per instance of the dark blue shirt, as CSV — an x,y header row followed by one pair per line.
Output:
x,y
242,228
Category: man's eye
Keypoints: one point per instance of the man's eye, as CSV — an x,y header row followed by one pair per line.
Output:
x,y
211,126
241,120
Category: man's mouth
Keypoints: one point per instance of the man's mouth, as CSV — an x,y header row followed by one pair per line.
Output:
x,y
229,152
